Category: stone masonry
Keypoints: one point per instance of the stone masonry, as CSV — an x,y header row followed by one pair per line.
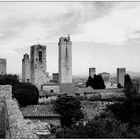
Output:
x,y
120,76
38,65
2,66
92,72
26,68
65,65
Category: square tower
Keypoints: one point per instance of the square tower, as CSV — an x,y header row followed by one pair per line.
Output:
x,y
65,60
65,66
92,72
26,68
120,76
2,66
38,65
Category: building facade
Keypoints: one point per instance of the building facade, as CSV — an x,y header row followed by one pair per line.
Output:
x,y
2,66
92,72
38,65
26,68
105,76
120,76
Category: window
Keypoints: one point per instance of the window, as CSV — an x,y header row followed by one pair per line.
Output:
x,y
40,56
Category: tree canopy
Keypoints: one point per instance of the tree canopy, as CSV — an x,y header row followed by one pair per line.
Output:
x,y
70,109
96,83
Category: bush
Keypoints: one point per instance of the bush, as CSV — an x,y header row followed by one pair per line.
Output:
x,y
70,109
119,85
26,94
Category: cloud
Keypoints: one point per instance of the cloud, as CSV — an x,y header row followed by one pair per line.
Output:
x,y
117,27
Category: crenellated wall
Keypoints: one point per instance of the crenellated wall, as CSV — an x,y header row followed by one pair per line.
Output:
x,y
15,125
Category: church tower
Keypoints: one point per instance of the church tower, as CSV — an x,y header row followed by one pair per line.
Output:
x,y
38,65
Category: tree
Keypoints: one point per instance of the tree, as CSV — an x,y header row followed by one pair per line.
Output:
x,y
26,94
9,79
70,109
129,89
96,83
105,126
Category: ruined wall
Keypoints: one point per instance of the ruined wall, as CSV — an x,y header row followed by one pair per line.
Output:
x,y
120,76
38,65
2,66
15,126
26,68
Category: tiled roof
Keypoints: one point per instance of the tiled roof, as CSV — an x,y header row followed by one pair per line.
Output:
x,y
34,111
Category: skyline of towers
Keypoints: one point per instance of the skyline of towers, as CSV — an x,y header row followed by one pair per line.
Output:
x,y
26,68
120,76
3,65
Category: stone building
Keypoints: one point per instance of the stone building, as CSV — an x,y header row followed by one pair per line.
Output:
x,y
2,66
38,65
120,76
92,72
26,68
55,77
105,76
65,65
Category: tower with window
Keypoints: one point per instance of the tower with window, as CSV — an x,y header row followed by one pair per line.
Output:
x,y
38,65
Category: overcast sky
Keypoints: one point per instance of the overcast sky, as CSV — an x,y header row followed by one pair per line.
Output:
x,y
105,35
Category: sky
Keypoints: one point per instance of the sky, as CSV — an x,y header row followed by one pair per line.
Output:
x,y
104,35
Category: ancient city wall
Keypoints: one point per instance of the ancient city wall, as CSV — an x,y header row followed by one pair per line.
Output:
x,y
15,126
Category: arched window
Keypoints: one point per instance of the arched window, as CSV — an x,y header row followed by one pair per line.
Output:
x,y
40,56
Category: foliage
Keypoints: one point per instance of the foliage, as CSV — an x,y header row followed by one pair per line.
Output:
x,y
70,109
105,126
119,85
129,89
96,83
9,79
127,111
26,94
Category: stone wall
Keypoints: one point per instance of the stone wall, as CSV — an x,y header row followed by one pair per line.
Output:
x,y
15,125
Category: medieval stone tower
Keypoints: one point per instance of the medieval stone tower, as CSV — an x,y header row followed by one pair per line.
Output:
x,y
26,68
120,76
2,66
92,72
65,60
38,65
65,65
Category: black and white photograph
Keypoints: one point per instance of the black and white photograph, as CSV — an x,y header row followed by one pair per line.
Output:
x,y
69,69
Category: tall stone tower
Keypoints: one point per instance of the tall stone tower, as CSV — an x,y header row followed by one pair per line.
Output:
x,y
2,66
120,76
26,68
65,60
38,65
65,64
92,72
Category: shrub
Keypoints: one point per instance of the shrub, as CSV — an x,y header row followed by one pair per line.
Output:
x,y
26,94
